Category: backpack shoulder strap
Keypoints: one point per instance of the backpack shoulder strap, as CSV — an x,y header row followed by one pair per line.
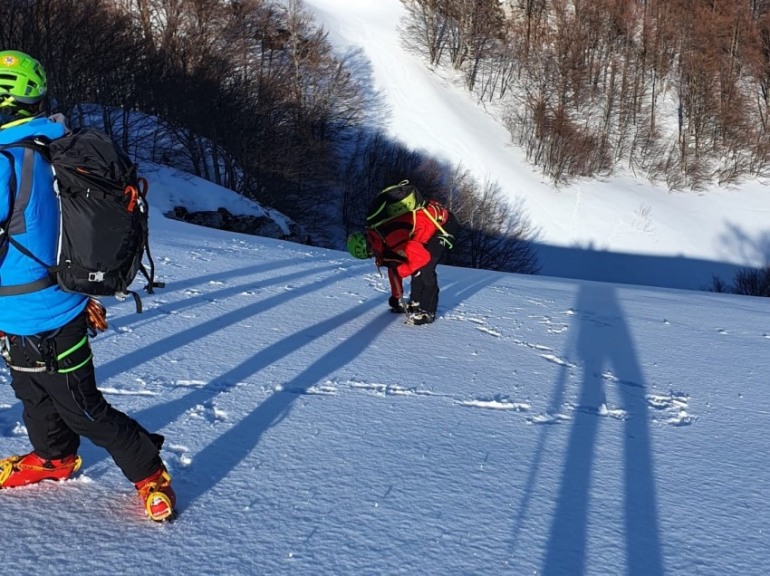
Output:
x,y
5,229
433,219
4,237
40,144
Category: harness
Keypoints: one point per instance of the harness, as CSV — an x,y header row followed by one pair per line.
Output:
x,y
51,361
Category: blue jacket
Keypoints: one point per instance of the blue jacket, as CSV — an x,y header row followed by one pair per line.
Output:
x,y
38,231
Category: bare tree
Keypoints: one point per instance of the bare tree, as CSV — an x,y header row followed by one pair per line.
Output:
x,y
495,235
591,83
428,27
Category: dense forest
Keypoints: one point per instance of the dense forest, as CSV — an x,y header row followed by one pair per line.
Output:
x,y
250,95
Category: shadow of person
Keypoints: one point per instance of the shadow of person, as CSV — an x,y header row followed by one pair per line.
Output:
x,y
604,342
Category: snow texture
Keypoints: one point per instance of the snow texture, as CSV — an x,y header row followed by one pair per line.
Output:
x,y
541,425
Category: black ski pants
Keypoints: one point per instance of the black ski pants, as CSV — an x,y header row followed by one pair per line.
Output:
x,y
424,286
63,403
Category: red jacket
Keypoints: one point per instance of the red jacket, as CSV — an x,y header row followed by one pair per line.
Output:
x,y
399,243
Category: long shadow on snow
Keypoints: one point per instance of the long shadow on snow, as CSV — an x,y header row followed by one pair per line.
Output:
x,y
140,355
157,417
134,320
147,418
118,366
460,290
603,339
217,459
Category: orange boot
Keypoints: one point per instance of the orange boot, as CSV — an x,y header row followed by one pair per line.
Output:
x,y
157,495
30,468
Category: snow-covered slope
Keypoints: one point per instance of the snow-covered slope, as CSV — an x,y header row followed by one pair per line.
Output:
x,y
539,426
718,230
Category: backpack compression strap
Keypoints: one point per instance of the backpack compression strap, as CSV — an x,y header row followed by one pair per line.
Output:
x,y
438,226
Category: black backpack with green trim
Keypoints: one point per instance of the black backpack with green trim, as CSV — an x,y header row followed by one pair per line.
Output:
x,y
392,202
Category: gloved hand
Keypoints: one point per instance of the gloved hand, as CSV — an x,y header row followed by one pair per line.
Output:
x,y
395,305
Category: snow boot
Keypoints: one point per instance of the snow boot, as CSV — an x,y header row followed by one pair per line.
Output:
x,y
30,468
420,317
157,496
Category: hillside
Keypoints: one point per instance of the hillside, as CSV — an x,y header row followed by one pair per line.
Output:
x,y
619,230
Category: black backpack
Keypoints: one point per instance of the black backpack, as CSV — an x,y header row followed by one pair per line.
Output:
x,y
104,217
392,202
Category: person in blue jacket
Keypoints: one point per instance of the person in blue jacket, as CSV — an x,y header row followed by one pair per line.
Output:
x,y
45,330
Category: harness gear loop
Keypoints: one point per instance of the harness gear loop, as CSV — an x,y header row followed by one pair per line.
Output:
x,y
50,360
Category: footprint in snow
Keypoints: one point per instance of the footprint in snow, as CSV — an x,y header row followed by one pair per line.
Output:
x,y
556,360
208,411
672,407
179,455
549,418
489,331
496,403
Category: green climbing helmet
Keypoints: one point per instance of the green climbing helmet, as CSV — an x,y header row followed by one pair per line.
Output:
x,y
22,83
358,246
